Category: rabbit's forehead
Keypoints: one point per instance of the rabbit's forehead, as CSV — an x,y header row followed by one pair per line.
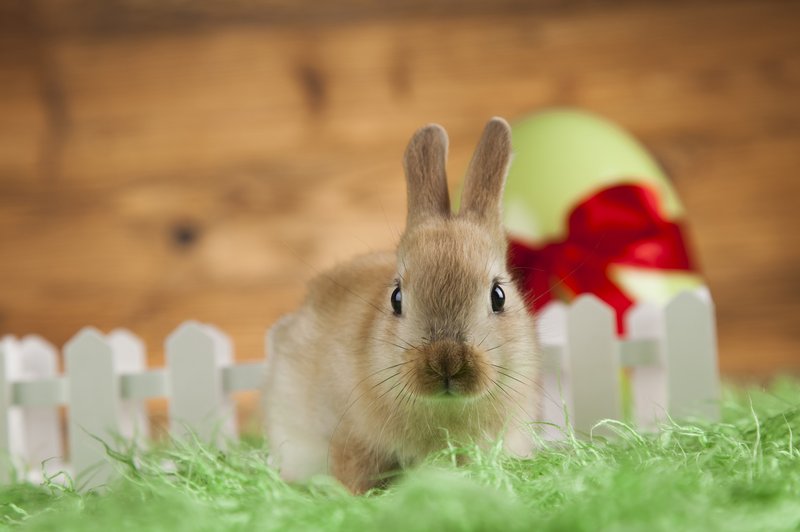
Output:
x,y
443,257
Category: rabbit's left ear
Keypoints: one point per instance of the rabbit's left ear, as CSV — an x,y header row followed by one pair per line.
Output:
x,y
424,162
486,175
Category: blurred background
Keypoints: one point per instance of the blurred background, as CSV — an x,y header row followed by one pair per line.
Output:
x,y
166,160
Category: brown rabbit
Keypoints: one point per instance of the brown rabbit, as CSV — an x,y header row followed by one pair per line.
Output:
x,y
394,354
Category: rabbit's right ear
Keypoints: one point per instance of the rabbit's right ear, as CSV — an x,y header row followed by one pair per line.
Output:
x,y
424,163
486,175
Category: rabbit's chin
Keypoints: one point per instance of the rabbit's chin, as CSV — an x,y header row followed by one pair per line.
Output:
x,y
437,392
447,399
450,400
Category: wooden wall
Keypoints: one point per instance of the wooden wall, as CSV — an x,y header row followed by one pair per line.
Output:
x,y
169,160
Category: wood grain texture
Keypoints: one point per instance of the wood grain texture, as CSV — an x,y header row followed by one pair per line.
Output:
x,y
161,161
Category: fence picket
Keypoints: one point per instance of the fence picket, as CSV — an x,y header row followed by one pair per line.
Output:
x,y
32,433
691,354
198,402
552,329
593,363
42,437
6,430
15,418
648,383
93,400
130,359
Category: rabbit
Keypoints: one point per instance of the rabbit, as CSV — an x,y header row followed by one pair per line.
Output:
x,y
395,355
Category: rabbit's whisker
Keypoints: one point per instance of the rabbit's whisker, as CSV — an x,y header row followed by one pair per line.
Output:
x,y
364,393
372,375
501,372
372,403
388,343
497,346
530,382
484,339
503,388
395,407
519,373
563,279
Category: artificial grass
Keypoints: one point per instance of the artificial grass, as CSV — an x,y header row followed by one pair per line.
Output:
x,y
742,473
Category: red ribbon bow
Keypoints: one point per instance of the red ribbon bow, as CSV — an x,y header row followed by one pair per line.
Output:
x,y
618,225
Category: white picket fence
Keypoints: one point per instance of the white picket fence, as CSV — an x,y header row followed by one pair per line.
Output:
x,y
669,356
670,353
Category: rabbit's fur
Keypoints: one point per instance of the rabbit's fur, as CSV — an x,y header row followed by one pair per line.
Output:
x,y
355,390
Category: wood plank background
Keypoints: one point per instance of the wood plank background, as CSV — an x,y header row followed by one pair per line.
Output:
x,y
169,160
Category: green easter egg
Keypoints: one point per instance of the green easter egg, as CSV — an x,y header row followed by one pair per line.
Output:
x,y
562,156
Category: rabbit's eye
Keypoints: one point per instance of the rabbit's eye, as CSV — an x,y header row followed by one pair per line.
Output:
x,y
498,298
397,301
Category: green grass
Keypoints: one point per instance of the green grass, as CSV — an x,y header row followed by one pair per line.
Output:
x,y
742,473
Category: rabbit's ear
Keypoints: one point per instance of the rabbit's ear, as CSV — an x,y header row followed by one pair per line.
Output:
x,y
486,175
424,164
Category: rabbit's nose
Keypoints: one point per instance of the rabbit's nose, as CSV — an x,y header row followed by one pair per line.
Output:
x,y
446,366
448,362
